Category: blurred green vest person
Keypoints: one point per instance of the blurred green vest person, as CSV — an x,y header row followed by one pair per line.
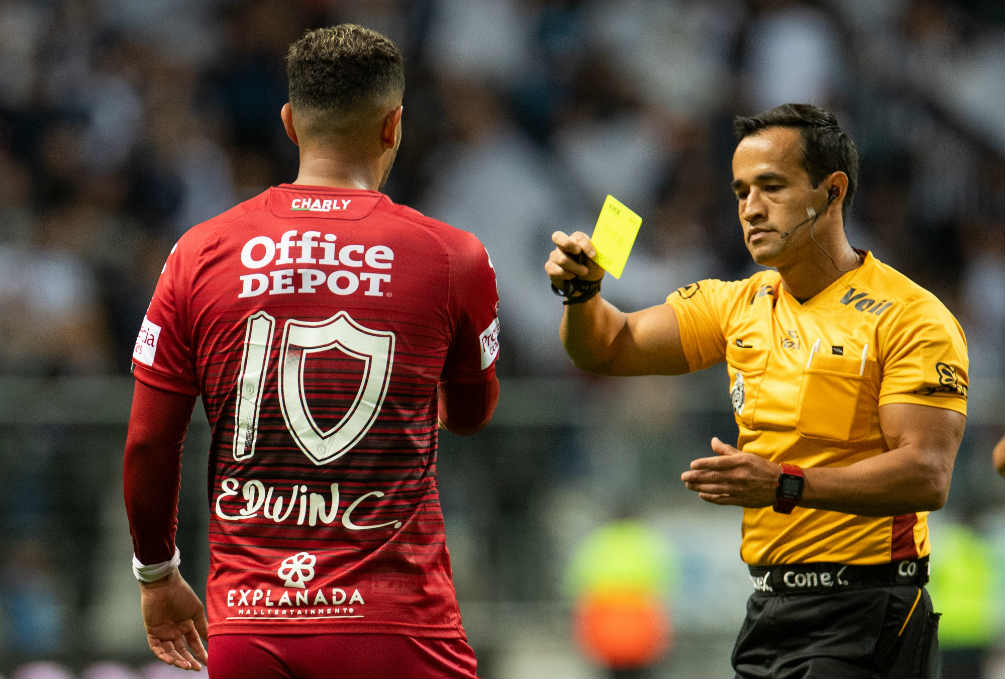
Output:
x,y
620,577
966,587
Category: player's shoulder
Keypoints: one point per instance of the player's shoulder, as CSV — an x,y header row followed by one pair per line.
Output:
x,y
210,231
454,240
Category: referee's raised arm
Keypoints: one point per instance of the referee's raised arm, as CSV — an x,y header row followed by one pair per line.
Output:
x,y
599,337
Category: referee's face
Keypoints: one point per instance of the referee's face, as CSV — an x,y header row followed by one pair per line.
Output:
x,y
773,192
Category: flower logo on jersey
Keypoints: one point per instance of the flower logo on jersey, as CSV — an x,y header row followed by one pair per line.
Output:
x,y
737,395
297,570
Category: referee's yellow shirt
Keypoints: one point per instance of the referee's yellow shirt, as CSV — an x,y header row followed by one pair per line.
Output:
x,y
806,382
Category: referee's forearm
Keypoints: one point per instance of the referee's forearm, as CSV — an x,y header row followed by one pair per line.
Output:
x,y
899,481
588,331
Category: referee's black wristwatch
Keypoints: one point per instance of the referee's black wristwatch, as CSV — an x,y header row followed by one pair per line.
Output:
x,y
789,490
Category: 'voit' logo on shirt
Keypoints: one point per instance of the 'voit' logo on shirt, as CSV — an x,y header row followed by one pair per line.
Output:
x,y
319,205
863,301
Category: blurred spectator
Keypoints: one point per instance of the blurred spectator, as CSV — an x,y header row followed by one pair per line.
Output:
x,y
32,599
493,181
42,668
793,52
108,669
51,317
154,670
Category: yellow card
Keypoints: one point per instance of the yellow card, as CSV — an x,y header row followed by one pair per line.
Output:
x,y
614,235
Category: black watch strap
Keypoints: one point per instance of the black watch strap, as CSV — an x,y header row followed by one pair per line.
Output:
x,y
577,290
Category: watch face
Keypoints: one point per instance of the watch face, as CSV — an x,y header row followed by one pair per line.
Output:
x,y
790,485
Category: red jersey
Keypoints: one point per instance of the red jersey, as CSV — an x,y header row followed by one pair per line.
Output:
x,y
316,323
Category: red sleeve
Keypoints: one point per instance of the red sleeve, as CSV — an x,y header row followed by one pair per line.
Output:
x,y
469,389
163,353
151,469
466,408
474,304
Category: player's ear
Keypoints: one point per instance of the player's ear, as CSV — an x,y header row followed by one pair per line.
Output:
x,y
390,133
286,114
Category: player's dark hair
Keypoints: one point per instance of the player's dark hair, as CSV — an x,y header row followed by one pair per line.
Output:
x,y
340,67
826,147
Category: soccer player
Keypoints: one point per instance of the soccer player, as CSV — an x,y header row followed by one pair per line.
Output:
x,y
848,384
328,331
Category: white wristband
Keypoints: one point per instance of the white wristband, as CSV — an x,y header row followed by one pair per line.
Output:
x,y
155,571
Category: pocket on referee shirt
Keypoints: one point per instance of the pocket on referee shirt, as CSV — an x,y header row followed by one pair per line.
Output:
x,y
832,403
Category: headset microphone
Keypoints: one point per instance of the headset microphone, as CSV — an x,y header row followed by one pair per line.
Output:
x,y
811,213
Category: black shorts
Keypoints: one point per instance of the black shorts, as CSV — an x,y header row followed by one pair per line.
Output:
x,y
857,632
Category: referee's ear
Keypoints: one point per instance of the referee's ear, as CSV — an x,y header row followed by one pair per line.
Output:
x,y
286,114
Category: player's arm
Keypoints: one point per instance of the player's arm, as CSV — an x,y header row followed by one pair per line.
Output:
x,y
151,469
599,337
998,456
465,408
912,476
468,389
173,616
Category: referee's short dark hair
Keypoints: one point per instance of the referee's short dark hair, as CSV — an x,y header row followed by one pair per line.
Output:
x,y
826,147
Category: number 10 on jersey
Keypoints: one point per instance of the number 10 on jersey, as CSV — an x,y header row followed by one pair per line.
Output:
x,y
301,339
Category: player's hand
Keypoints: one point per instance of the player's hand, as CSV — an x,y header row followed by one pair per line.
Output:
x,y
175,620
733,477
567,260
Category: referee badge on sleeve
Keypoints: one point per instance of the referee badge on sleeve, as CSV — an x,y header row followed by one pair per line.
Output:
x,y
737,395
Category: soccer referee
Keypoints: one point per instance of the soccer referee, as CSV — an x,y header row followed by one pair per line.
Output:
x,y
848,383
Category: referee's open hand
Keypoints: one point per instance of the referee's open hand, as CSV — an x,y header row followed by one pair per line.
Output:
x,y
733,477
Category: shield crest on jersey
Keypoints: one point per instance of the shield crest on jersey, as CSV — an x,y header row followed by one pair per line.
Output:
x,y
374,347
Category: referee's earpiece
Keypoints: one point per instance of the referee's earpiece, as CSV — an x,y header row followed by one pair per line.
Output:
x,y
832,194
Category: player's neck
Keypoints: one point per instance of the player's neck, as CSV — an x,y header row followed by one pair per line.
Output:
x,y
337,172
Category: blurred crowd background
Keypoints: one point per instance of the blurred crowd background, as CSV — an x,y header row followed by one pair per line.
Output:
x,y
124,123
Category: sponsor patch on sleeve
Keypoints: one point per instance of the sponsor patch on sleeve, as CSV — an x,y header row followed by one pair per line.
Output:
x,y
146,342
951,382
489,341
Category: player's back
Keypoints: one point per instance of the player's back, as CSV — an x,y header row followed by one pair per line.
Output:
x,y
316,324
